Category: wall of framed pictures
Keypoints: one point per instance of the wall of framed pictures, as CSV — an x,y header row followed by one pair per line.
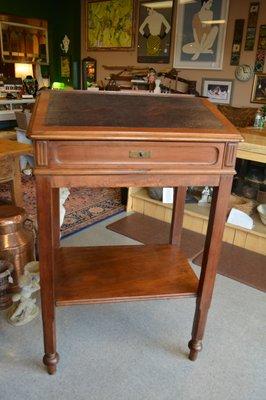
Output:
x,y
165,42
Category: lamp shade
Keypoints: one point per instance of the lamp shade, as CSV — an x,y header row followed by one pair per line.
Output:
x,y
23,70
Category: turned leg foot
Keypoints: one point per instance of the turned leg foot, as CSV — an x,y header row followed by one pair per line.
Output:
x,y
195,347
51,360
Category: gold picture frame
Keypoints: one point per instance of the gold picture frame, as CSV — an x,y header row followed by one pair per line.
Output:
x,y
258,94
110,25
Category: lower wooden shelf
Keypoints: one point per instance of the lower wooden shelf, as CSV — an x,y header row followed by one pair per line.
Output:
x,y
121,273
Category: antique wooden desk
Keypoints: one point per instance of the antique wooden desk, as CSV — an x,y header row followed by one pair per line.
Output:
x,y
118,140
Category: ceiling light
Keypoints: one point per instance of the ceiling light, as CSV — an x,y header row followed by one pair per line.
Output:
x,y
159,4
214,21
23,70
187,1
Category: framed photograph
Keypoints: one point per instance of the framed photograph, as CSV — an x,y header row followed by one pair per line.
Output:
x,y
110,24
217,90
154,31
258,94
200,34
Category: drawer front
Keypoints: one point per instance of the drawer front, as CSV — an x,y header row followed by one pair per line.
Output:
x,y
135,155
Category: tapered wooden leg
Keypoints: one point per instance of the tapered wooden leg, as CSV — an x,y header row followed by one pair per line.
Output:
x,y
211,254
177,215
48,241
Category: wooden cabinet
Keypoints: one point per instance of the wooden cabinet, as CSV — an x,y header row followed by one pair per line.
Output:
x,y
119,140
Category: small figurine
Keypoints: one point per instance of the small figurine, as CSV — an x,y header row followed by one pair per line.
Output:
x,y
157,86
65,44
151,78
205,195
26,309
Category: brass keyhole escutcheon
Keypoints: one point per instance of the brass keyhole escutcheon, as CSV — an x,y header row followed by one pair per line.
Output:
x,y
139,154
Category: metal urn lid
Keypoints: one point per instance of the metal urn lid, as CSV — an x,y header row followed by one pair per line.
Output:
x,y
11,218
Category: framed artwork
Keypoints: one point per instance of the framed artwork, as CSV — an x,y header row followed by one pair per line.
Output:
x,y
65,66
252,25
154,31
200,34
110,24
261,50
237,41
258,94
217,90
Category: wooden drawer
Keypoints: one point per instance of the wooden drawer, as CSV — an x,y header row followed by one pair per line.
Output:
x,y
135,155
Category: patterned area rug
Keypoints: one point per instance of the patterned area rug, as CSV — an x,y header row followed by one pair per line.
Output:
x,y
84,206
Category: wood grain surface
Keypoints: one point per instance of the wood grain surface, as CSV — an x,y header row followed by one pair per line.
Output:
x,y
116,273
112,116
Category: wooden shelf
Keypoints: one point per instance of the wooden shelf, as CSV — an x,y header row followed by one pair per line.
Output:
x,y
254,146
196,219
122,273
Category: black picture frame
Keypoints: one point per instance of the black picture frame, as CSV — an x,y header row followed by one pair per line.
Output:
x,y
154,41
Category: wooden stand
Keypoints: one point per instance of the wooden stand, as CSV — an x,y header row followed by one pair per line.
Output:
x,y
119,140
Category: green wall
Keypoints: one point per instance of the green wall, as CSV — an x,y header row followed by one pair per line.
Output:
x,y
63,17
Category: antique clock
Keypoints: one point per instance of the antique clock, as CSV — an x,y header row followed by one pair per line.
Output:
x,y
243,72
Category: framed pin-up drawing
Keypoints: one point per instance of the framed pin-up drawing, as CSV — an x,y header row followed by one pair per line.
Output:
x,y
200,34
154,31
110,24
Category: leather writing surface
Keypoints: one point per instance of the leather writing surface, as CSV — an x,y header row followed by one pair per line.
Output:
x,y
81,108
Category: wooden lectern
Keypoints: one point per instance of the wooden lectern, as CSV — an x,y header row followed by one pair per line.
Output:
x,y
118,140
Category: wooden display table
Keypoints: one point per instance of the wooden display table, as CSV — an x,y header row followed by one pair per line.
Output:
x,y
118,140
254,146
10,151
